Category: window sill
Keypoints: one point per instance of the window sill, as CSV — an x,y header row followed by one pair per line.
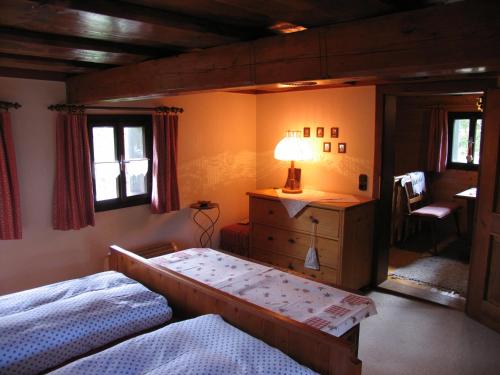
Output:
x,y
114,205
463,166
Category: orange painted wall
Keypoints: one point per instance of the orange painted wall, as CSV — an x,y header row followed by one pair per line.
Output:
x,y
352,110
226,142
216,162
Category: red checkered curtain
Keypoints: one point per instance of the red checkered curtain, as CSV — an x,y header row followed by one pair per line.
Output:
x,y
73,206
437,152
165,194
10,207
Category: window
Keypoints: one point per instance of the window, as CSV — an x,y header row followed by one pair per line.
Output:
x,y
121,160
464,139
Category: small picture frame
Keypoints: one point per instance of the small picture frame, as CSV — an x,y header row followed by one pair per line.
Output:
x,y
342,148
327,147
320,132
334,132
307,132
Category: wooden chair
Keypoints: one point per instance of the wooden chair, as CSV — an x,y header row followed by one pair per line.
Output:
x,y
419,207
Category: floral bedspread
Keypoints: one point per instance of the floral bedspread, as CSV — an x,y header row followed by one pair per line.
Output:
x,y
329,309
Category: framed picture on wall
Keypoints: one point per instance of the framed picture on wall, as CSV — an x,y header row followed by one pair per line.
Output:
x,y
307,132
342,148
320,132
327,147
334,132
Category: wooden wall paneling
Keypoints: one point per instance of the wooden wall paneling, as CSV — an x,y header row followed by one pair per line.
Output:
x,y
493,287
482,293
287,58
415,42
352,50
388,104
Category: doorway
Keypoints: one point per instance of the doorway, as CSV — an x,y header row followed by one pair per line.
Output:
x,y
410,260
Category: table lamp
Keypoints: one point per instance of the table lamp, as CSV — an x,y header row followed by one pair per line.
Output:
x,y
292,148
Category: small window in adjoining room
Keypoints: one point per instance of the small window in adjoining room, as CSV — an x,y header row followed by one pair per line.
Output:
x,y
464,142
121,160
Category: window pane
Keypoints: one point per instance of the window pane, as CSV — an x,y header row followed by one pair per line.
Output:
x,y
460,140
134,142
104,144
135,176
477,140
106,175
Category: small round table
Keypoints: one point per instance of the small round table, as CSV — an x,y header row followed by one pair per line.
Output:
x,y
203,208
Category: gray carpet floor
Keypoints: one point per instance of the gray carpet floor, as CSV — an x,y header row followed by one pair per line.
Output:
x,y
437,271
410,337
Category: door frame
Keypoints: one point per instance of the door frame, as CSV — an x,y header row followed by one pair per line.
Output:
x,y
383,174
487,219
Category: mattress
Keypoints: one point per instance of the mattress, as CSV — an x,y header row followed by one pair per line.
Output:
x,y
204,345
44,327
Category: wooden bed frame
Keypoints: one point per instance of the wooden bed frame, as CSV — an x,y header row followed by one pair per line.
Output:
x,y
315,349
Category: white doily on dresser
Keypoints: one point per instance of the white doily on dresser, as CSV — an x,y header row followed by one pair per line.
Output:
x,y
294,203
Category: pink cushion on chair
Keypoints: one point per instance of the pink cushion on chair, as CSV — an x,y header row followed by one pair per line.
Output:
x,y
438,210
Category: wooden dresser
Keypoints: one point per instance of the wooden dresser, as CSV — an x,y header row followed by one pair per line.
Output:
x,y
344,237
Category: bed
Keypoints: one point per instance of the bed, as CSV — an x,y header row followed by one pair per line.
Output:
x,y
202,345
306,343
45,327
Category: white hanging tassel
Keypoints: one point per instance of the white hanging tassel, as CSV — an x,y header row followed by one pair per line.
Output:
x,y
312,257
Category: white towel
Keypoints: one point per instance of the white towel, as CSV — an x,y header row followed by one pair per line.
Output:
x,y
417,182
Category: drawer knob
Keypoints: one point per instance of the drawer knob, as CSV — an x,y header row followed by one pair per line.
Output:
x,y
271,212
270,238
291,240
290,266
314,220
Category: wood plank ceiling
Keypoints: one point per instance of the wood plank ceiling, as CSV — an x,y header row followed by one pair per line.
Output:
x,y
55,39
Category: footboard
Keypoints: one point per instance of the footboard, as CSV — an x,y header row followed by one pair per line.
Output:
x,y
315,349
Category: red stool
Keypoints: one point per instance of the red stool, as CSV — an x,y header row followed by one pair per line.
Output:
x,y
235,239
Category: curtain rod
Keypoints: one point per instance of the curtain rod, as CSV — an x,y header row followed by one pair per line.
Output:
x,y
7,105
81,108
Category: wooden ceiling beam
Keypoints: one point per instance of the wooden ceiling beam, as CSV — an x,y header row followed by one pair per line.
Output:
x,y
48,64
160,17
86,43
411,44
17,41
33,74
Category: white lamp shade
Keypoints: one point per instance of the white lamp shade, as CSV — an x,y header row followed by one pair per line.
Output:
x,y
293,147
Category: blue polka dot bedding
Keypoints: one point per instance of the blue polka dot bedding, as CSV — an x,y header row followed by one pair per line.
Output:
x,y
205,345
44,327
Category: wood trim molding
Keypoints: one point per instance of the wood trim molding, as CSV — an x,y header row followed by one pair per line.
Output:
x,y
402,45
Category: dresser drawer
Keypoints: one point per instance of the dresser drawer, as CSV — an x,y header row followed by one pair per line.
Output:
x,y
325,274
265,211
294,244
